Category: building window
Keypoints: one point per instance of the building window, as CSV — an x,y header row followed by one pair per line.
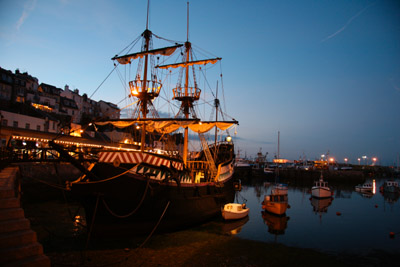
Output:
x,y
4,123
27,126
38,128
15,124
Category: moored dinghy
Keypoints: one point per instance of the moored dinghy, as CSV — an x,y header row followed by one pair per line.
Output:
x,y
321,189
366,187
276,204
234,211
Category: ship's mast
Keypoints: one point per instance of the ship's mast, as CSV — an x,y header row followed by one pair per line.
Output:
x,y
184,92
144,96
216,102
143,107
186,108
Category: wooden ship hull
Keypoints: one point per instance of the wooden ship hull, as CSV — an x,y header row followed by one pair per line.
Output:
x,y
142,194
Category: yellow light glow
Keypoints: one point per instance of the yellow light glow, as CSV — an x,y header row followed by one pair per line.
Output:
x,y
373,187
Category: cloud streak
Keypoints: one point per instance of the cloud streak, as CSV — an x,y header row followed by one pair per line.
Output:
x,y
347,23
28,8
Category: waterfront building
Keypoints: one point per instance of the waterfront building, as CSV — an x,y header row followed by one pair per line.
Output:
x,y
26,104
109,110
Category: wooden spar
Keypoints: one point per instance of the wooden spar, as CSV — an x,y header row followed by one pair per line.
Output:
x,y
216,119
186,109
144,90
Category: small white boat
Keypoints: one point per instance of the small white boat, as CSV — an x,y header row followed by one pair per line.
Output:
x,y
269,170
321,189
234,211
366,187
242,163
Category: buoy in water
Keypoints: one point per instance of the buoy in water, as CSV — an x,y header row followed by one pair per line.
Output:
x,y
338,213
391,234
376,206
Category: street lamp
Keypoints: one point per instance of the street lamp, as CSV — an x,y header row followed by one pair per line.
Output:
x,y
345,160
365,160
374,159
359,161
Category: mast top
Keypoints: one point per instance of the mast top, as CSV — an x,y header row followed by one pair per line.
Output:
x,y
187,29
147,19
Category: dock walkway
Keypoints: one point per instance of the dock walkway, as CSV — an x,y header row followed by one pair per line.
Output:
x,y
18,242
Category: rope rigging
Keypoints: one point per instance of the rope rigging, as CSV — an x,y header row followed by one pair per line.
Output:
x,y
134,210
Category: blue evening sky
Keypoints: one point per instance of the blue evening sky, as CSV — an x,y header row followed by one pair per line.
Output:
x,y
326,74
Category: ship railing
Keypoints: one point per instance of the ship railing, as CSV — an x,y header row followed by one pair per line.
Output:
x,y
149,87
197,165
192,92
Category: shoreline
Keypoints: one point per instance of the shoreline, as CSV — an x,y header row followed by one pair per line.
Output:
x,y
65,244
194,248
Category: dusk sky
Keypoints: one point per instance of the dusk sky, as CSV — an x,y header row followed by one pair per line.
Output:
x,y
326,74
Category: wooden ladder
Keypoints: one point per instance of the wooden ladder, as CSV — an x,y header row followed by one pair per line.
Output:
x,y
210,160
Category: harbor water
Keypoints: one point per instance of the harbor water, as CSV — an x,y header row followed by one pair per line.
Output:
x,y
349,222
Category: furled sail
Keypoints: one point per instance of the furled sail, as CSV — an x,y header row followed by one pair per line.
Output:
x,y
166,51
170,125
204,127
190,63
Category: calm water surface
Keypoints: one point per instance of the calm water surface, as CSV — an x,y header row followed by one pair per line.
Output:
x,y
350,222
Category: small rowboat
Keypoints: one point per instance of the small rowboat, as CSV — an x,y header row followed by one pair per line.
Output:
x,y
234,211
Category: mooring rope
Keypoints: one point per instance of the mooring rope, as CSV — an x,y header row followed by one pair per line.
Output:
x,y
47,183
132,212
135,251
116,176
156,226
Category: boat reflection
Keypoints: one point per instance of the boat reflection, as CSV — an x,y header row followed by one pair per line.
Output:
x,y
233,227
390,197
320,205
366,194
276,224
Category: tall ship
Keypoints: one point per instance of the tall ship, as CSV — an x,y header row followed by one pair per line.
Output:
x,y
168,188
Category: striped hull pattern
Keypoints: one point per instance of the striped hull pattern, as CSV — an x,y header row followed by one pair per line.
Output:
x,y
136,196
136,158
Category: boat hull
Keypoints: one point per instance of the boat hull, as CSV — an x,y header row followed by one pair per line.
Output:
x,y
139,202
231,211
321,192
276,204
